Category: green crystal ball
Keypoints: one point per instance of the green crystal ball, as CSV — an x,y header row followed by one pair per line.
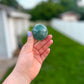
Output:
x,y
39,32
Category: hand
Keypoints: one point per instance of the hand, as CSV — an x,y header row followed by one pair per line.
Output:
x,y
31,57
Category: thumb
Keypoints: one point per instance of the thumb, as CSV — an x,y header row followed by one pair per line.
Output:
x,y
30,40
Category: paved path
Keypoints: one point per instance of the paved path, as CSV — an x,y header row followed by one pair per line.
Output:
x,y
5,64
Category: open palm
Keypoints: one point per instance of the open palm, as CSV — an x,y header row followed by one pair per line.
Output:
x,y
32,56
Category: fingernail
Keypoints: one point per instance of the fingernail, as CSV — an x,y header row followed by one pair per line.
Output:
x,y
51,36
52,41
29,33
49,49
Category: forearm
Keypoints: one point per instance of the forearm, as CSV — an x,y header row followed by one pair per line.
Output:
x,y
15,78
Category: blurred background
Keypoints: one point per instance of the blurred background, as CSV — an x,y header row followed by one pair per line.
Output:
x,y
64,20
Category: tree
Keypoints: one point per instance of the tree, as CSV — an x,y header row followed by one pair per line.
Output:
x,y
55,1
46,11
12,3
69,4
72,5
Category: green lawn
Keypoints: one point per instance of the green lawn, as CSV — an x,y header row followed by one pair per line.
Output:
x,y
65,63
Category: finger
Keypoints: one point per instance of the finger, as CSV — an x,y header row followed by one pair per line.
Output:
x,y
45,47
40,44
45,54
37,55
35,41
30,40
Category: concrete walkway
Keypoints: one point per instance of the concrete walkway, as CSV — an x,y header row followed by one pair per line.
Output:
x,y
5,64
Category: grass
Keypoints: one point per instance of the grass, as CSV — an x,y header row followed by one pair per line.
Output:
x,y
65,63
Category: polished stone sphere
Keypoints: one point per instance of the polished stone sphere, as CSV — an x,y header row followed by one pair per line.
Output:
x,y
40,32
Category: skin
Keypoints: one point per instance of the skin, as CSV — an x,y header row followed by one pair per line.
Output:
x,y
30,60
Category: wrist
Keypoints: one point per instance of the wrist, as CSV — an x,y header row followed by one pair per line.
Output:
x,y
17,78
22,76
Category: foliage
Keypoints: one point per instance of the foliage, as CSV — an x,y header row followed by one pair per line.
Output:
x,y
72,5
46,11
65,63
69,3
12,3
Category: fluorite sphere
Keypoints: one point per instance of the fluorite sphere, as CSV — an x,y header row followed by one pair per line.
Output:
x,y
40,32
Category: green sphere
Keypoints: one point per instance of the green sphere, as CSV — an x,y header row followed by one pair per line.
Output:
x,y
39,32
